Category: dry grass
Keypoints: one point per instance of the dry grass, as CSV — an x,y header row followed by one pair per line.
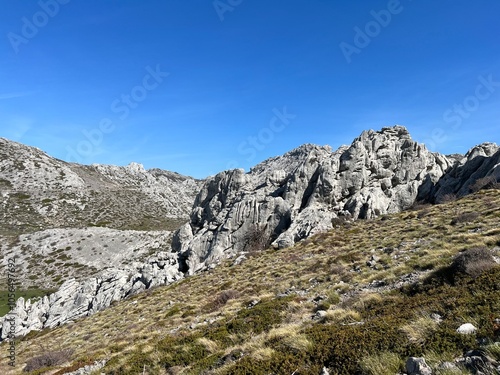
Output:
x,y
382,364
419,331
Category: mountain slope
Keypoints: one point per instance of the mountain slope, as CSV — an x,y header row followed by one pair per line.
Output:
x,y
280,201
39,192
63,220
360,298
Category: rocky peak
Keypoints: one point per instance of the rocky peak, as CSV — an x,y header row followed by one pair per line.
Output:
x,y
486,149
479,162
295,195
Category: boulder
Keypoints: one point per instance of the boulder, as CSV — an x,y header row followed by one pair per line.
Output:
x,y
417,366
466,329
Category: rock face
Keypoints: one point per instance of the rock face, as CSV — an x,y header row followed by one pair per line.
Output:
x,y
417,366
480,162
78,299
288,198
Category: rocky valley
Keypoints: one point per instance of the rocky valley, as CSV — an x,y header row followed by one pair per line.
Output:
x,y
89,237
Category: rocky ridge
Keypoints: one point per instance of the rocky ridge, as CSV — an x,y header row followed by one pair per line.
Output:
x,y
76,299
38,192
63,220
482,161
286,199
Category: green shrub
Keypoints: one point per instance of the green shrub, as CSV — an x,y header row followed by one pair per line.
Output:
x,y
262,317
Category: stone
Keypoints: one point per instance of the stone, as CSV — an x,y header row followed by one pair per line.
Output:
x,y
479,362
89,369
466,329
320,314
417,366
449,367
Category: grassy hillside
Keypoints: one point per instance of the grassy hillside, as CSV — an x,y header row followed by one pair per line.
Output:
x,y
359,299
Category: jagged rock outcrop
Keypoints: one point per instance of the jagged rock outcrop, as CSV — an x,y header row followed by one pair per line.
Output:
x,y
76,299
480,162
290,197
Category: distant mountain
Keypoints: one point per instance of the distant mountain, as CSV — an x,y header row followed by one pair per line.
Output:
x,y
39,192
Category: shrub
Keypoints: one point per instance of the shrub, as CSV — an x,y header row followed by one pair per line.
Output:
x,y
464,218
255,239
259,318
473,262
489,182
48,359
221,299
338,221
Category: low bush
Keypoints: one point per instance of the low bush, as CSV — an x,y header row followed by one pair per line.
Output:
x,y
48,359
221,299
465,217
473,262
256,239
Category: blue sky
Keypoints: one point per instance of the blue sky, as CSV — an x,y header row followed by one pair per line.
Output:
x,y
201,86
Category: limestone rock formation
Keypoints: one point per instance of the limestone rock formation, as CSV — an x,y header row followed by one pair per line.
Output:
x,y
76,299
62,220
290,197
417,366
481,161
278,202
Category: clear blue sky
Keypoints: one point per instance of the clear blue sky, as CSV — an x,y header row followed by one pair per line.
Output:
x,y
202,86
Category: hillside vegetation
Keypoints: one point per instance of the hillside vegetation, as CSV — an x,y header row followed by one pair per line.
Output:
x,y
359,299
